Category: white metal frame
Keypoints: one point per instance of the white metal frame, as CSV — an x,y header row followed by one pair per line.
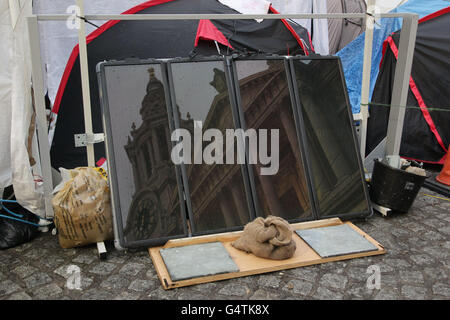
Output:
x,y
401,80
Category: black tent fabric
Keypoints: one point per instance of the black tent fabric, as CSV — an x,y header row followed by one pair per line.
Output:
x,y
117,40
426,131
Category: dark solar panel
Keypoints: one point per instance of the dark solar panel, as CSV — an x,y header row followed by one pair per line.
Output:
x,y
335,165
144,182
265,105
218,197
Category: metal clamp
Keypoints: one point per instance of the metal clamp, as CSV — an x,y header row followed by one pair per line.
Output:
x,y
83,139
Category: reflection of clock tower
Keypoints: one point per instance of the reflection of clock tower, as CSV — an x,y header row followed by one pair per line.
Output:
x,y
154,210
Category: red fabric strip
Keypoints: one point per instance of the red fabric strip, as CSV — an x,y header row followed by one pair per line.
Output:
x,y
289,27
419,98
74,55
435,14
208,31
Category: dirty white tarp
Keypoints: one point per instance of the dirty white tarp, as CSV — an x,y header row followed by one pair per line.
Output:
x,y
318,28
16,110
248,6
58,38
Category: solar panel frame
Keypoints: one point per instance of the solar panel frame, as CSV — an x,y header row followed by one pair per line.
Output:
x,y
184,172
120,241
298,128
299,108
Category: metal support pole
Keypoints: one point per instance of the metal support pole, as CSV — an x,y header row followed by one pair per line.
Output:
x,y
400,89
365,86
85,85
41,116
87,102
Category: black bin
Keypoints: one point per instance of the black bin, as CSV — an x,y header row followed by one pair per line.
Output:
x,y
394,188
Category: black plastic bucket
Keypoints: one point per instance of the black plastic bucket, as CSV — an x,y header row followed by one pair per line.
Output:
x,y
394,188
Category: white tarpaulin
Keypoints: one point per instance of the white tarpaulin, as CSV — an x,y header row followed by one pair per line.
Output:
x,y
59,37
18,142
318,29
248,6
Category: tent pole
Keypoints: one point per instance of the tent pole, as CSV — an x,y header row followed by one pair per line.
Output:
x,y
41,117
365,88
85,84
400,89
101,249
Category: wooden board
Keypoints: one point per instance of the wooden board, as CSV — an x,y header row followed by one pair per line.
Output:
x,y
248,263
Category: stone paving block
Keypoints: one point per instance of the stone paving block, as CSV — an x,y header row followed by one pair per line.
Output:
x,y
125,295
141,285
36,253
85,258
410,276
301,287
96,294
270,281
305,273
332,280
192,296
231,289
103,268
7,287
37,279
262,294
24,270
131,269
50,291
115,282
411,292
442,289
323,293
386,293
422,259
19,296
52,261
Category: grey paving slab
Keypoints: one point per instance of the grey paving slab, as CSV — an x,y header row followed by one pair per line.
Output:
x,y
335,240
197,260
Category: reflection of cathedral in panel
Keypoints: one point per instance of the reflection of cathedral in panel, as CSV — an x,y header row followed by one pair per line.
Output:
x,y
154,210
266,105
217,191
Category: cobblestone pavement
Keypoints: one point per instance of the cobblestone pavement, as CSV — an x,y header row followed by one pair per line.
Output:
x,y
416,266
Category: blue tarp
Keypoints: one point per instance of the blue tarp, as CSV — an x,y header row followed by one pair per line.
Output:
x,y
352,54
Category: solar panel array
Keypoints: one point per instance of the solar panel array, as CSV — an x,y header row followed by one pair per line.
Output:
x,y
206,145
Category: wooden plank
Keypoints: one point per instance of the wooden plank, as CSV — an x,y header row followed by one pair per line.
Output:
x,y
231,236
248,263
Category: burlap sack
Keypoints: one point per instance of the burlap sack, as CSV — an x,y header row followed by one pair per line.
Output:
x,y
83,209
269,238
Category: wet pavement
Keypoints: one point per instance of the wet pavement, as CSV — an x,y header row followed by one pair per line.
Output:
x,y
416,266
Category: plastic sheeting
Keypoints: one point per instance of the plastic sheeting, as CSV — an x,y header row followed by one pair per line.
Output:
x,y
5,96
15,105
352,55
58,38
248,7
318,28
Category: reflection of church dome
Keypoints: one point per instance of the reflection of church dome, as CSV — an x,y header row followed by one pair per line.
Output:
x,y
153,104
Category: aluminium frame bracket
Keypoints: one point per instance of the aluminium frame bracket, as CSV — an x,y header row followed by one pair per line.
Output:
x,y
83,139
